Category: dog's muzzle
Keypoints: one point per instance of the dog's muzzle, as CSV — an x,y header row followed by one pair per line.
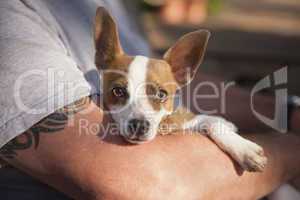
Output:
x,y
137,128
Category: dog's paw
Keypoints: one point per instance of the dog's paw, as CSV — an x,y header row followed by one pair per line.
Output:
x,y
250,156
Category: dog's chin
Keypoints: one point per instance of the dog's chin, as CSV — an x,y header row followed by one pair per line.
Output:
x,y
138,140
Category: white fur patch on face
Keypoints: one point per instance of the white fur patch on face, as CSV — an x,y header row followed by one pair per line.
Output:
x,y
138,105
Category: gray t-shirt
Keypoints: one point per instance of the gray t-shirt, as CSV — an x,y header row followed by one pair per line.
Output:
x,y
47,57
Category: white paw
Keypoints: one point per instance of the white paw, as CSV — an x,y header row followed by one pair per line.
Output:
x,y
224,133
249,155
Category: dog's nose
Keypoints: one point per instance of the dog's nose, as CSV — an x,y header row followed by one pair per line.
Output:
x,y
138,127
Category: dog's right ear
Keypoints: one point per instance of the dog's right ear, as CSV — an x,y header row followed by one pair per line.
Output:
x,y
106,37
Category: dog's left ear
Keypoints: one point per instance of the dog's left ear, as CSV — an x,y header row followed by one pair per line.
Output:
x,y
106,37
187,54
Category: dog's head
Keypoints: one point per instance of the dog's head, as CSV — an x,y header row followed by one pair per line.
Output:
x,y
139,91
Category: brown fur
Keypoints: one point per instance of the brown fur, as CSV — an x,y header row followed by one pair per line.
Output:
x,y
112,77
187,54
159,76
175,121
106,37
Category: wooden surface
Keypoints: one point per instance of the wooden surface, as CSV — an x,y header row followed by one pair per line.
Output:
x,y
250,39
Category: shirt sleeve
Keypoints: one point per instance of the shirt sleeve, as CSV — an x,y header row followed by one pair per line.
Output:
x,y
37,76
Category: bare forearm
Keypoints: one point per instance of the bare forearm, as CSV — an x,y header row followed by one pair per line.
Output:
x,y
79,163
187,166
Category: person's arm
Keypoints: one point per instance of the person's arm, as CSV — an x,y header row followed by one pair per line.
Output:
x,y
71,157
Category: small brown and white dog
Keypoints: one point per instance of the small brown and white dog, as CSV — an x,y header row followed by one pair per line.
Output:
x,y
139,92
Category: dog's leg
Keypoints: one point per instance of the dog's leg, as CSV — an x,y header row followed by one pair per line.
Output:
x,y
248,154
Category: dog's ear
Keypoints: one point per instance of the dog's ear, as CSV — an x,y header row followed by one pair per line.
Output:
x,y
187,54
106,37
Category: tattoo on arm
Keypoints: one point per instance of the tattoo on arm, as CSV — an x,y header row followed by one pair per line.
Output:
x,y
49,125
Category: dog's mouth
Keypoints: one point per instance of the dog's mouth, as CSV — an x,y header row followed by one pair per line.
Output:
x,y
136,140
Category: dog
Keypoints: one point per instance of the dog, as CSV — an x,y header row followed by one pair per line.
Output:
x,y
139,92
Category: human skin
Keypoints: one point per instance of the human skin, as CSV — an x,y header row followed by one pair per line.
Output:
x,y
80,164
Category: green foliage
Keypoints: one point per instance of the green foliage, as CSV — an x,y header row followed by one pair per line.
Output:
x,y
214,6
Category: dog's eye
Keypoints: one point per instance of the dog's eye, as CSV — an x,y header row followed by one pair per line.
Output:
x,y
162,95
119,91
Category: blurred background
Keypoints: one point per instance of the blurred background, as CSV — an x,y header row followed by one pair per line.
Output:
x,y
250,38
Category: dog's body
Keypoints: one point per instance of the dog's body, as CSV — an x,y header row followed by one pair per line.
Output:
x,y
139,92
